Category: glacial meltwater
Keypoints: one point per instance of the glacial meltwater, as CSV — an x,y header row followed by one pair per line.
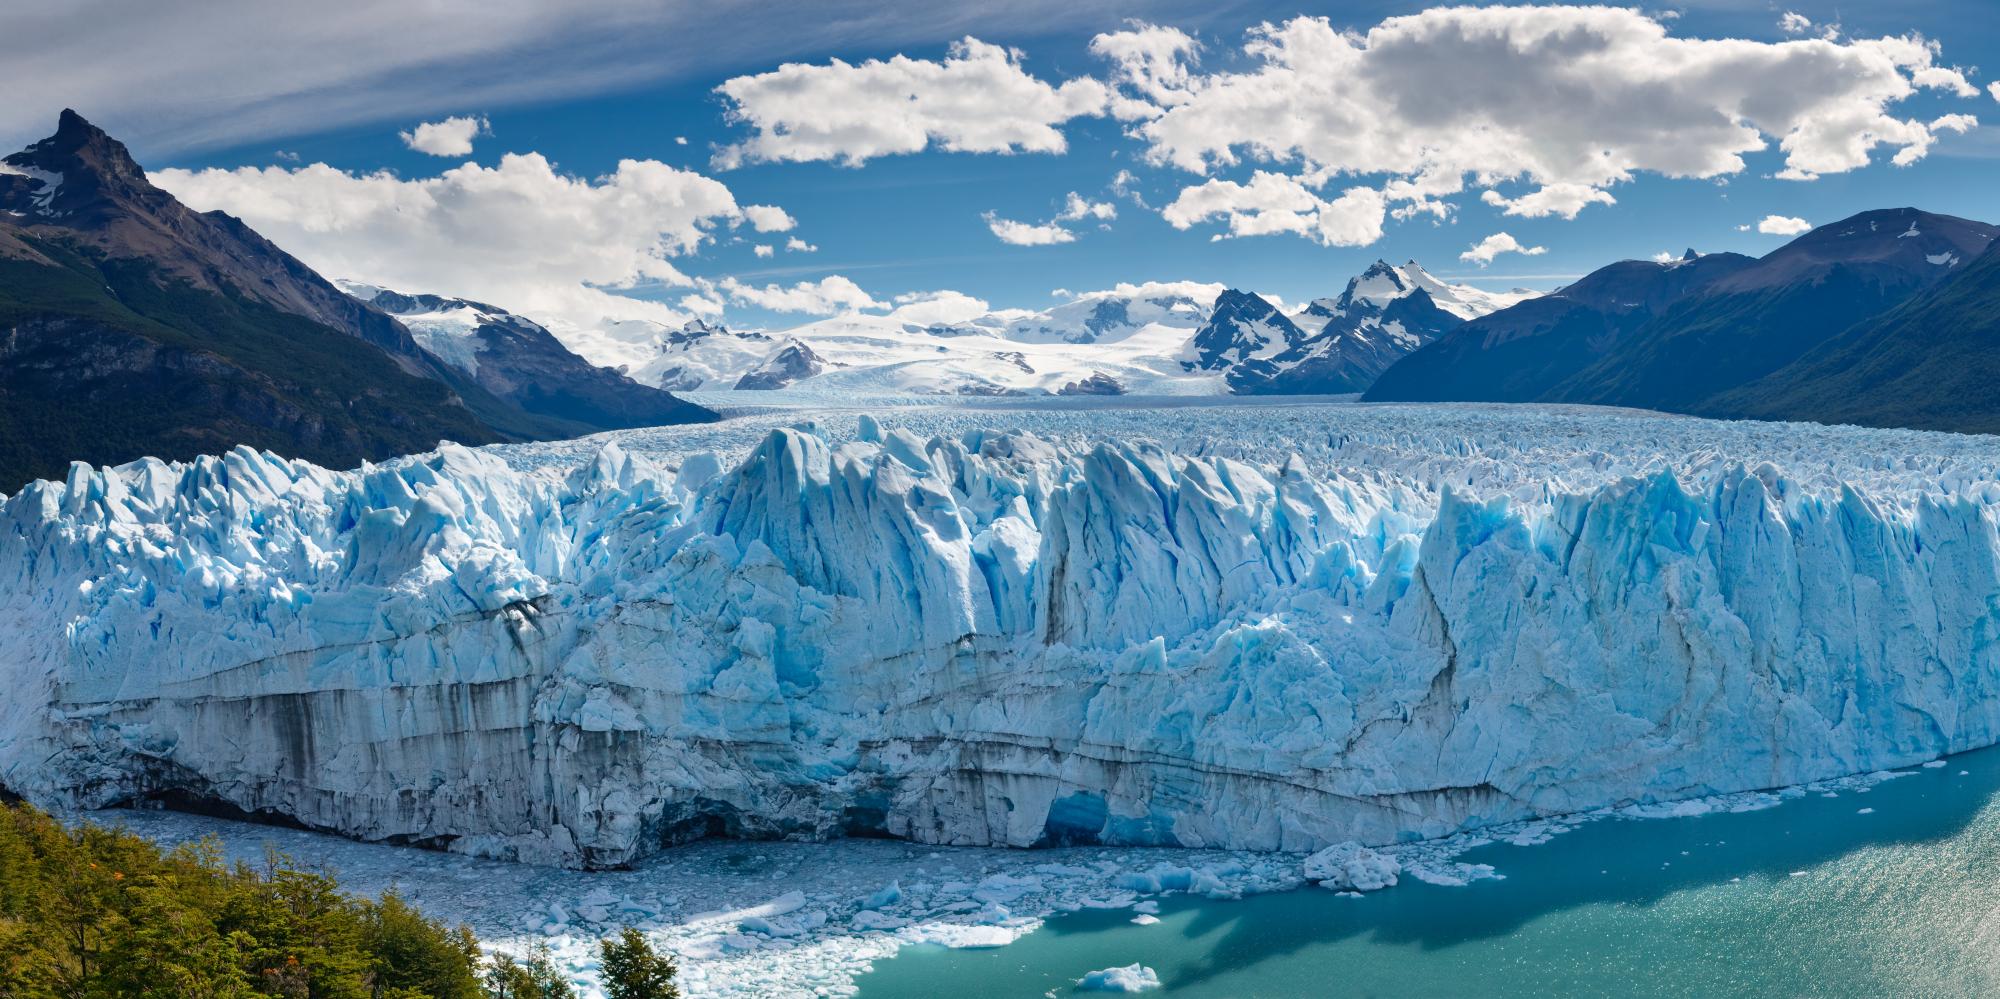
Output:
x,y
1894,891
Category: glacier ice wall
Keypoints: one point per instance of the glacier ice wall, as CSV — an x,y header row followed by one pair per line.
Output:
x,y
981,638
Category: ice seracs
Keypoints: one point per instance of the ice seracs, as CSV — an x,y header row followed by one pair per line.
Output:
x,y
1416,622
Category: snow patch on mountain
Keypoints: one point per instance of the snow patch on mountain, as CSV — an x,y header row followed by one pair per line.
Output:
x,y
1136,337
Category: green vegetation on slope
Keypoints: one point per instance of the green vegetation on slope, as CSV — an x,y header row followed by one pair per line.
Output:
x,y
1931,364
96,913
104,361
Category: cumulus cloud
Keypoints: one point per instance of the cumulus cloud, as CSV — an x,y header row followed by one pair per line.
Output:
x,y
978,99
1565,200
830,295
701,305
1076,208
1570,99
934,308
1274,203
521,234
1782,225
450,137
1201,293
797,245
1156,62
769,218
763,250
1994,89
1792,22
1483,252
1027,233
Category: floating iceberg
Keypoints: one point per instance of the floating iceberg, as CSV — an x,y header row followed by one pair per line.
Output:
x,y
1130,978
1368,630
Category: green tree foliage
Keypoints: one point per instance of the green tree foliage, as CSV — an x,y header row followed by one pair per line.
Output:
x,y
96,913
633,971
535,978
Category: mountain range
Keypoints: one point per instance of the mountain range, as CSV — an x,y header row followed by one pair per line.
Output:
x,y
131,325
1880,319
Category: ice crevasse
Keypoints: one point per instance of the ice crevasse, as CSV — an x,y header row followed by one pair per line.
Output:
x,y
988,639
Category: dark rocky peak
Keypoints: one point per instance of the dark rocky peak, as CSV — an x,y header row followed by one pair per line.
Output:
x,y
1242,326
1896,245
74,172
696,330
1242,307
792,362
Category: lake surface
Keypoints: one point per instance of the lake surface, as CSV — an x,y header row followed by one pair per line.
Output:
x,y
1811,898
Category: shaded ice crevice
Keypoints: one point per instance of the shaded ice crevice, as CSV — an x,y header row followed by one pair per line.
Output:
x,y
984,640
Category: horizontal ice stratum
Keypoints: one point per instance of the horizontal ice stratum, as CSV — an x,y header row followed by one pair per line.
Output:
x,y
1379,624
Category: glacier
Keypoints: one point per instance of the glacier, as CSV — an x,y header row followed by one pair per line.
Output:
x,y
1247,627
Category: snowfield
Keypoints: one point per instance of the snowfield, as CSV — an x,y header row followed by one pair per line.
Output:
x,y
1243,627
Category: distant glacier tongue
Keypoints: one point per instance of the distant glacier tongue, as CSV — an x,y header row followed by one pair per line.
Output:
x,y
979,638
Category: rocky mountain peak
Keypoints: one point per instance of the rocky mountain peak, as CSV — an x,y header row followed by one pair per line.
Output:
x,y
72,172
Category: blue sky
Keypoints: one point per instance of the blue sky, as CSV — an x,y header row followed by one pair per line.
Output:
x,y
916,222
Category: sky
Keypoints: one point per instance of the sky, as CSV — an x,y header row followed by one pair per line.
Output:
x,y
771,163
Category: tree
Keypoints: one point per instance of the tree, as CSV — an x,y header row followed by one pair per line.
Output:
x,y
88,912
537,978
633,971
417,956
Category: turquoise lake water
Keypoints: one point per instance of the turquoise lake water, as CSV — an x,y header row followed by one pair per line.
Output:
x,y
1810,898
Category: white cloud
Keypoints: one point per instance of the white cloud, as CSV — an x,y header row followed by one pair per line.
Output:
x,y
827,296
934,308
1076,208
1565,200
450,137
1960,123
1994,89
521,234
701,305
797,245
1026,233
1126,185
1794,23
978,99
763,250
1155,61
1483,252
1782,225
680,140
166,78
1570,99
1201,293
1274,203
769,218
1665,257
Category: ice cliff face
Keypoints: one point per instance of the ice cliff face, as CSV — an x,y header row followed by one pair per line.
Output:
x,y
976,639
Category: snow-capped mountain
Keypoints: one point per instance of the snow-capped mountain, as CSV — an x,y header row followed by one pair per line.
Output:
x,y
793,362
520,361
1242,339
1337,345
1125,339
1155,338
136,326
